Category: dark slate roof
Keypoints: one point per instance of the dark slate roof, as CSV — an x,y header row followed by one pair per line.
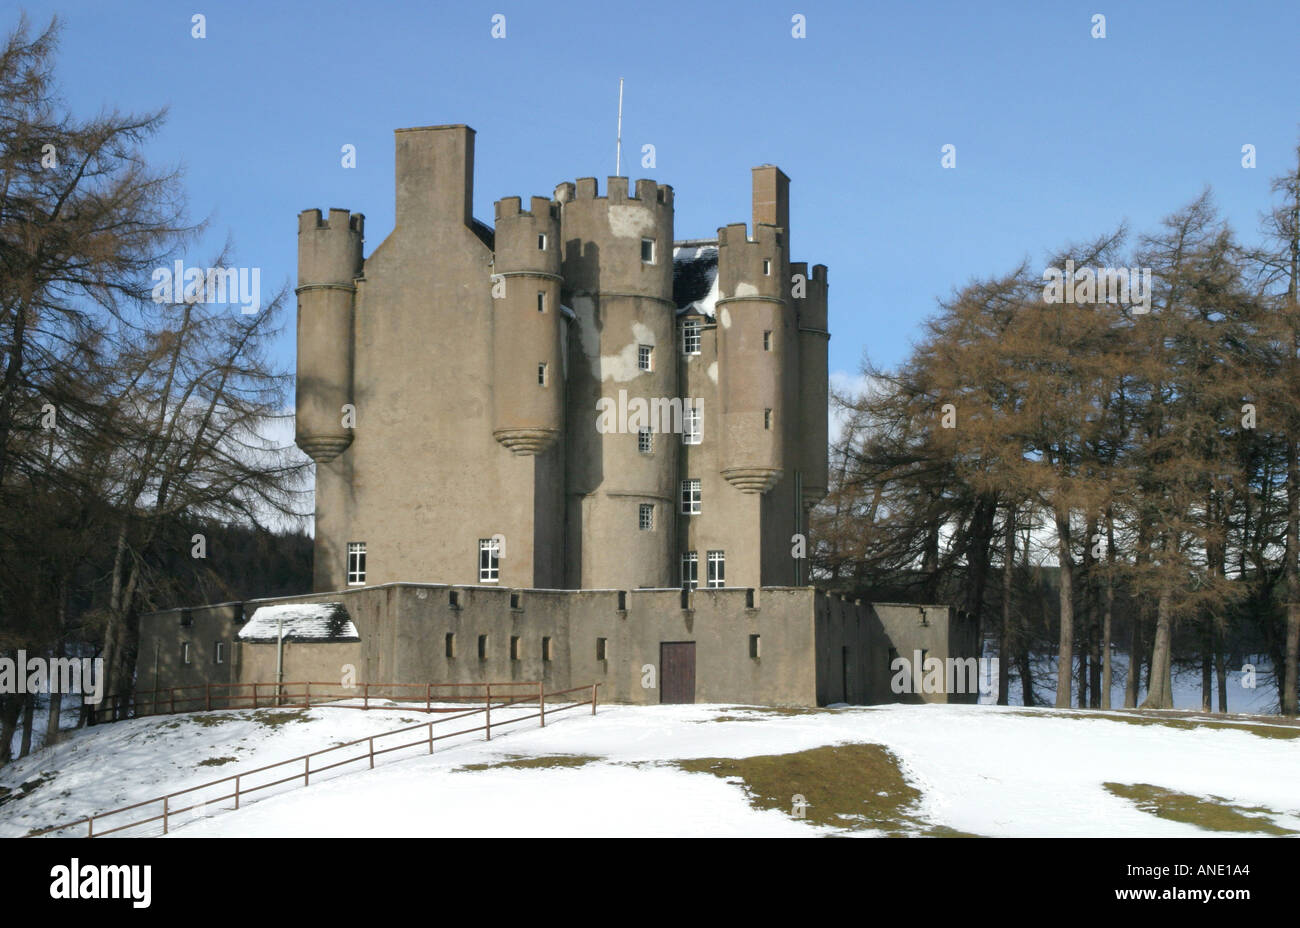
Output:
x,y
315,622
695,270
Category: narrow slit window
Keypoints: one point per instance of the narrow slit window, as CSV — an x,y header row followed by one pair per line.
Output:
x,y
482,647
356,563
185,652
602,649
219,652
541,241
690,570
514,647
546,647
541,302
647,251
755,647
767,340
767,419
645,441
449,644
489,560
767,268
542,374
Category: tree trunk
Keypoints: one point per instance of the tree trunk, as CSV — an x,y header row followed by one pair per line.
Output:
x,y
29,716
1108,613
1159,691
1292,656
1207,661
11,707
1220,665
1004,644
1134,681
1065,650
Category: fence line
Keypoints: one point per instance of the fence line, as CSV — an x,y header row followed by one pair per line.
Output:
x,y
168,811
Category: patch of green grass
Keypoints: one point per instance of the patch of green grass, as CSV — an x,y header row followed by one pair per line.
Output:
x,y
217,761
846,786
545,762
275,718
1148,717
1213,813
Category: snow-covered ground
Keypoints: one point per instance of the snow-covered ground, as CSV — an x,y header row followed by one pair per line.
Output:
x,y
980,769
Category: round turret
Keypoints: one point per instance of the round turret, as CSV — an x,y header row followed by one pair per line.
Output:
x,y
329,261
755,339
527,361
618,280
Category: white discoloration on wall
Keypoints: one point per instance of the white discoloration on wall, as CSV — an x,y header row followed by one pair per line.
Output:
x,y
630,221
622,367
726,318
713,368
744,289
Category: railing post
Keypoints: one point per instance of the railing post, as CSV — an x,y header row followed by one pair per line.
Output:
x,y
430,737
236,791
173,691
90,827
593,698
428,700
365,695
308,692
487,708
306,770
372,753
541,702
207,692
164,815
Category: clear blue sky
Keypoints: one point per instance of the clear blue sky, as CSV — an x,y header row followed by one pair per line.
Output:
x,y
1058,135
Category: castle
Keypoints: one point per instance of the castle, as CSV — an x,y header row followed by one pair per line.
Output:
x,y
478,362
599,446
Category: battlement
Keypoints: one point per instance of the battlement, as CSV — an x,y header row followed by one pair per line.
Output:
x,y
540,207
801,267
648,192
310,220
737,234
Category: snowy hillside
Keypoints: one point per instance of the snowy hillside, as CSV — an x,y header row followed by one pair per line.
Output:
x,y
701,770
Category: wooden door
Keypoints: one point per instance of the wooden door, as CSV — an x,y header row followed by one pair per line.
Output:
x,y
677,672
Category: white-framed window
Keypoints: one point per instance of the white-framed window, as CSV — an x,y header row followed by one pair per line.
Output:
x,y
645,517
645,357
489,560
691,496
645,441
717,576
767,268
543,374
541,241
647,251
541,301
356,563
693,426
185,652
690,570
691,336
218,652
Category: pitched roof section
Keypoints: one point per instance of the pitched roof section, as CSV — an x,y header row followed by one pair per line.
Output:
x,y
314,622
695,277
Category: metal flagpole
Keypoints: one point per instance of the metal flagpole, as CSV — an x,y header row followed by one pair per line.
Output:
x,y
618,148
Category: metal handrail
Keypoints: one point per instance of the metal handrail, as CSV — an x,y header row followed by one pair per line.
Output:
x,y
305,759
